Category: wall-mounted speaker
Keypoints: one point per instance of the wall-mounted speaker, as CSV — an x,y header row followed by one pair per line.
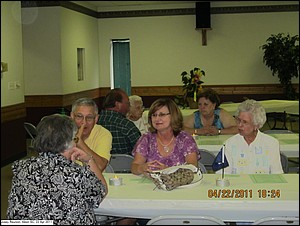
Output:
x,y
203,15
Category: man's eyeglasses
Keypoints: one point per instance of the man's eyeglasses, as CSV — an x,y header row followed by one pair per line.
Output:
x,y
88,118
160,115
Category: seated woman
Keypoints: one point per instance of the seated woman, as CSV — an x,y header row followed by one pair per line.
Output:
x,y
52,186
210,119
166,144
251,151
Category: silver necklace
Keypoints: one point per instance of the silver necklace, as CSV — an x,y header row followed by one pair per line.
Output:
x,y
165,146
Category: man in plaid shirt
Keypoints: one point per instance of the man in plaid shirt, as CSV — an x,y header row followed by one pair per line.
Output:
x,y
113,117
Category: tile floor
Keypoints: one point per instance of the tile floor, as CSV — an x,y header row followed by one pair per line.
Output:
x,y
6,173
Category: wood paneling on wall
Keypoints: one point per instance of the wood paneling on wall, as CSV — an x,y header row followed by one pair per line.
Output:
x,y
13,135
259,90
13,112
60,100
237,92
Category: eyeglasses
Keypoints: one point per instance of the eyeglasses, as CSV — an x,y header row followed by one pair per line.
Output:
x,y
139,108
242,122
160,115
88,118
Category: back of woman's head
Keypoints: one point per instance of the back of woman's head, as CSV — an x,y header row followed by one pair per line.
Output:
x,y
176,115
55,134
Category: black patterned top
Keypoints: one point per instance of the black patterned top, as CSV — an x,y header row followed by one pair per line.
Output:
x,y
51,187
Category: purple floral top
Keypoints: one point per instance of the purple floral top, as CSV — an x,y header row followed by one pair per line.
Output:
x,y
184,145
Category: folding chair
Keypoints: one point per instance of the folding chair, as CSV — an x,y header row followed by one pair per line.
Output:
x,y
121,163
277,221
202,167
207,158
185,220
284,162
109,169
31,131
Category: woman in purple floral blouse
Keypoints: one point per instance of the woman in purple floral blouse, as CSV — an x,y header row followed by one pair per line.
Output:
x,y
166,144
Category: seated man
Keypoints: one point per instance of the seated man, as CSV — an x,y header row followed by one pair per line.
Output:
x,y
92,138
135,113
113,117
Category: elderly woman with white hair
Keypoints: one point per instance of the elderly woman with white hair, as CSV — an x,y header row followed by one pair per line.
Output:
x,y
135,114
251,151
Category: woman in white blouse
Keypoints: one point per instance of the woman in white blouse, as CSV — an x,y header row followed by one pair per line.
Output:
x,y
251,151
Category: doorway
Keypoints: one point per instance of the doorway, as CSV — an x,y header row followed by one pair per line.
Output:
x,y
120,65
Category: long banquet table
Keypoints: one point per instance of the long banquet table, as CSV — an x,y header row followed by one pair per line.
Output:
x,y
289,143
288,106
247,198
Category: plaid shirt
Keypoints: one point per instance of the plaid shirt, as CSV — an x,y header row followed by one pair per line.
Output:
x,y
125,134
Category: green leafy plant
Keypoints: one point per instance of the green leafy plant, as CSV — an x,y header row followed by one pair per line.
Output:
x,y
281,55
192,82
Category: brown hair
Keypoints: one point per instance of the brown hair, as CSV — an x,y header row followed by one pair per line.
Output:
x,y
176,115
210,94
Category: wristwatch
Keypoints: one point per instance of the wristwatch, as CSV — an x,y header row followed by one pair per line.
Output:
x,y
219,131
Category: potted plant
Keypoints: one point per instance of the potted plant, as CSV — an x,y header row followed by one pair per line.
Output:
x,y
191,85
281,55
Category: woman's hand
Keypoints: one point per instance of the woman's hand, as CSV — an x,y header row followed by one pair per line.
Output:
x,y
155,165
78,154
213,131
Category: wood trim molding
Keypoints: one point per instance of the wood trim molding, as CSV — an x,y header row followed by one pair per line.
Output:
x,y
60,100
221,89
160,12
148,91
13,112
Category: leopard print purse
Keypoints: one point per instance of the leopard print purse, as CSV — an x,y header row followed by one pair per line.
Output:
x,y
175,176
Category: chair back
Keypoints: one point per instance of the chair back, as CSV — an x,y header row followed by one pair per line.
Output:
x,y
121,163
277,221
207,158
30,129
284,162
109,169
185,220
202,167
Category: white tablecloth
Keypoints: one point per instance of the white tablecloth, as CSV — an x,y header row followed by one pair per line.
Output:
x,y
241,201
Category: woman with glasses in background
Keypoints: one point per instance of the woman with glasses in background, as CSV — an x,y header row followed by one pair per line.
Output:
x,y
166,144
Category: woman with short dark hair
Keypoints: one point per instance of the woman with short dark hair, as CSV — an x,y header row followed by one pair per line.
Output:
x,y
52,186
